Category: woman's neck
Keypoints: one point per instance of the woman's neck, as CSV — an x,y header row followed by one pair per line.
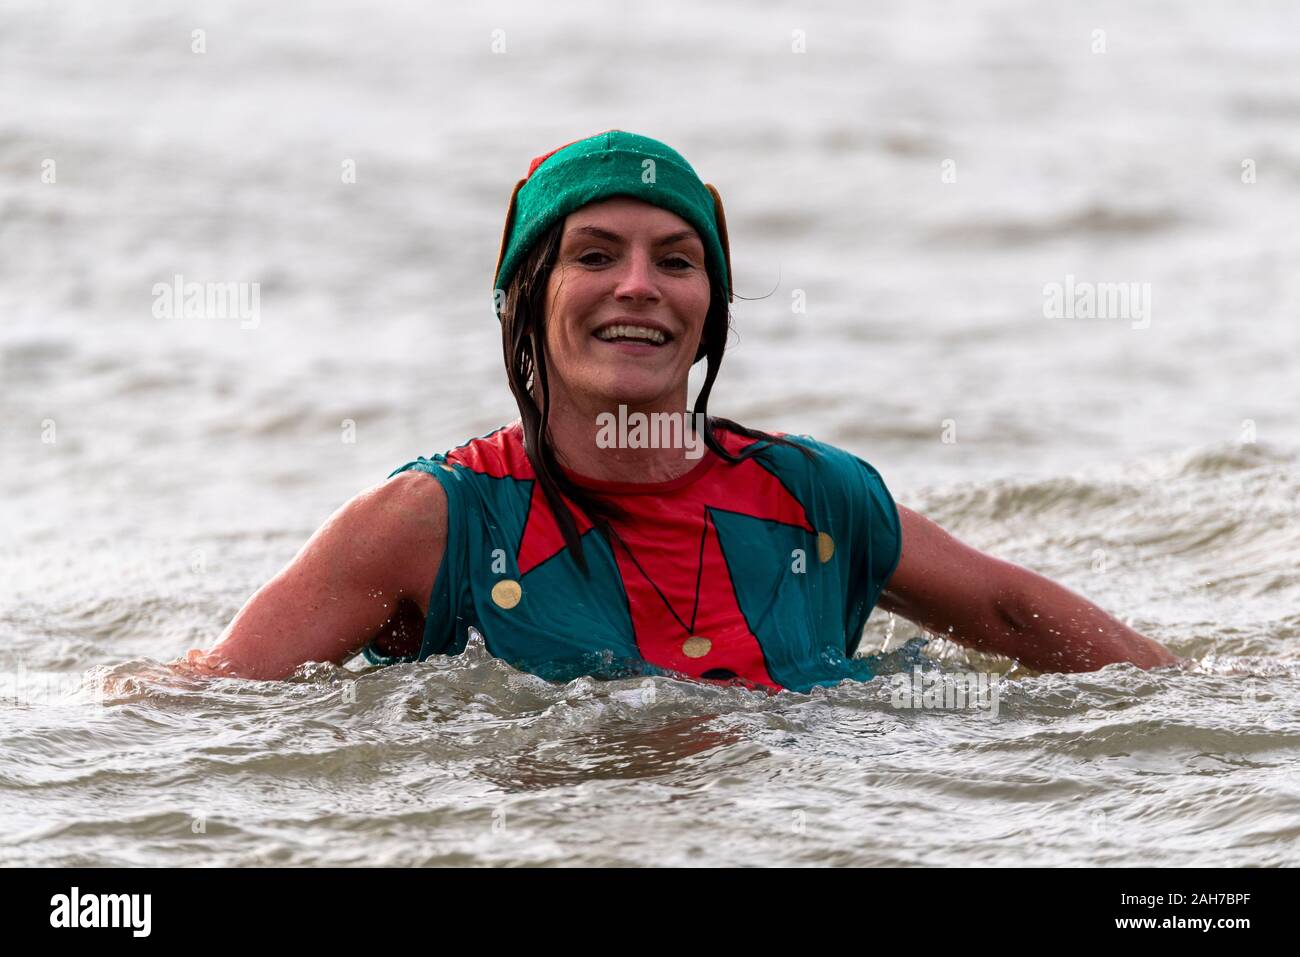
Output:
x,y
614,442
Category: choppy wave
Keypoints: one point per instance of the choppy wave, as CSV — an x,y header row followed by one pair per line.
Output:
x,y
463,759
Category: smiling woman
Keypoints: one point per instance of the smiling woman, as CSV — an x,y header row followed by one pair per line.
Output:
x,y
756,562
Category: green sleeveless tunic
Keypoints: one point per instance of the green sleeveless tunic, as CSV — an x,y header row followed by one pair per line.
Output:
x,y
762,572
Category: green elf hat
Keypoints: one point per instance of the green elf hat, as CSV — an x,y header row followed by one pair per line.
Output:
x,y
612,163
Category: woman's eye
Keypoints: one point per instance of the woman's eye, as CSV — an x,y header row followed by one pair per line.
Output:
x,y
595,258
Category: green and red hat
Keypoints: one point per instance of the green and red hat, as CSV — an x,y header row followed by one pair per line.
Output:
x,y
612,163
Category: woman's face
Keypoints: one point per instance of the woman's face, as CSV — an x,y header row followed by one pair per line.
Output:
x,y
624,262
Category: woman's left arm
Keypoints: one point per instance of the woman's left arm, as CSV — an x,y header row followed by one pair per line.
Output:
x,y
951,589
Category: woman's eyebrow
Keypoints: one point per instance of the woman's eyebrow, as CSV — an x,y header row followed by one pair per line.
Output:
x,y
598,233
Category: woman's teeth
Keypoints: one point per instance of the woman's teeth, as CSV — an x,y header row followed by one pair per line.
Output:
x,y
641,333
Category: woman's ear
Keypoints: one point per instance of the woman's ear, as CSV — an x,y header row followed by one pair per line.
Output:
x,y
721,218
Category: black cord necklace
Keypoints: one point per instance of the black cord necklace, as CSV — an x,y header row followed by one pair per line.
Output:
x,y
699,575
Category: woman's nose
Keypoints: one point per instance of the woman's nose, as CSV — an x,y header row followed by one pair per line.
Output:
x,y
636,279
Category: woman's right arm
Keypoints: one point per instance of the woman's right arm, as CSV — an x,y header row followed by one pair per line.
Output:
x,y
382,547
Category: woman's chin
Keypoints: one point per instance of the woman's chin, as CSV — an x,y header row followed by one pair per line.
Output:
x,y
633,393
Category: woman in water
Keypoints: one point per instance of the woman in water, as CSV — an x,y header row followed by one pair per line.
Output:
x,y
608,532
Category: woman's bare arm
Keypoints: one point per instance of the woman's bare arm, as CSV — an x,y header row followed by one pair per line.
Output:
x,y
383,546
951,589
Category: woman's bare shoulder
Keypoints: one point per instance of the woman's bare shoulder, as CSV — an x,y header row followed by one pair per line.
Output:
x,y
405,519
416,503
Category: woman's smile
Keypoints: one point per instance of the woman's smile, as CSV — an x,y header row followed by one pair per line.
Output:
x,y
631,330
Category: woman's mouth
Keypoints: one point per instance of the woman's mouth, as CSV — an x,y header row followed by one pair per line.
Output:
x,y
634,335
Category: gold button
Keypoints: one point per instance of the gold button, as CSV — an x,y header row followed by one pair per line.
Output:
x,y
696,646
447,468
506,593
825,547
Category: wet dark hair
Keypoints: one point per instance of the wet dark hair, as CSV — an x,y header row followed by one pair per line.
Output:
x,y
523,341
